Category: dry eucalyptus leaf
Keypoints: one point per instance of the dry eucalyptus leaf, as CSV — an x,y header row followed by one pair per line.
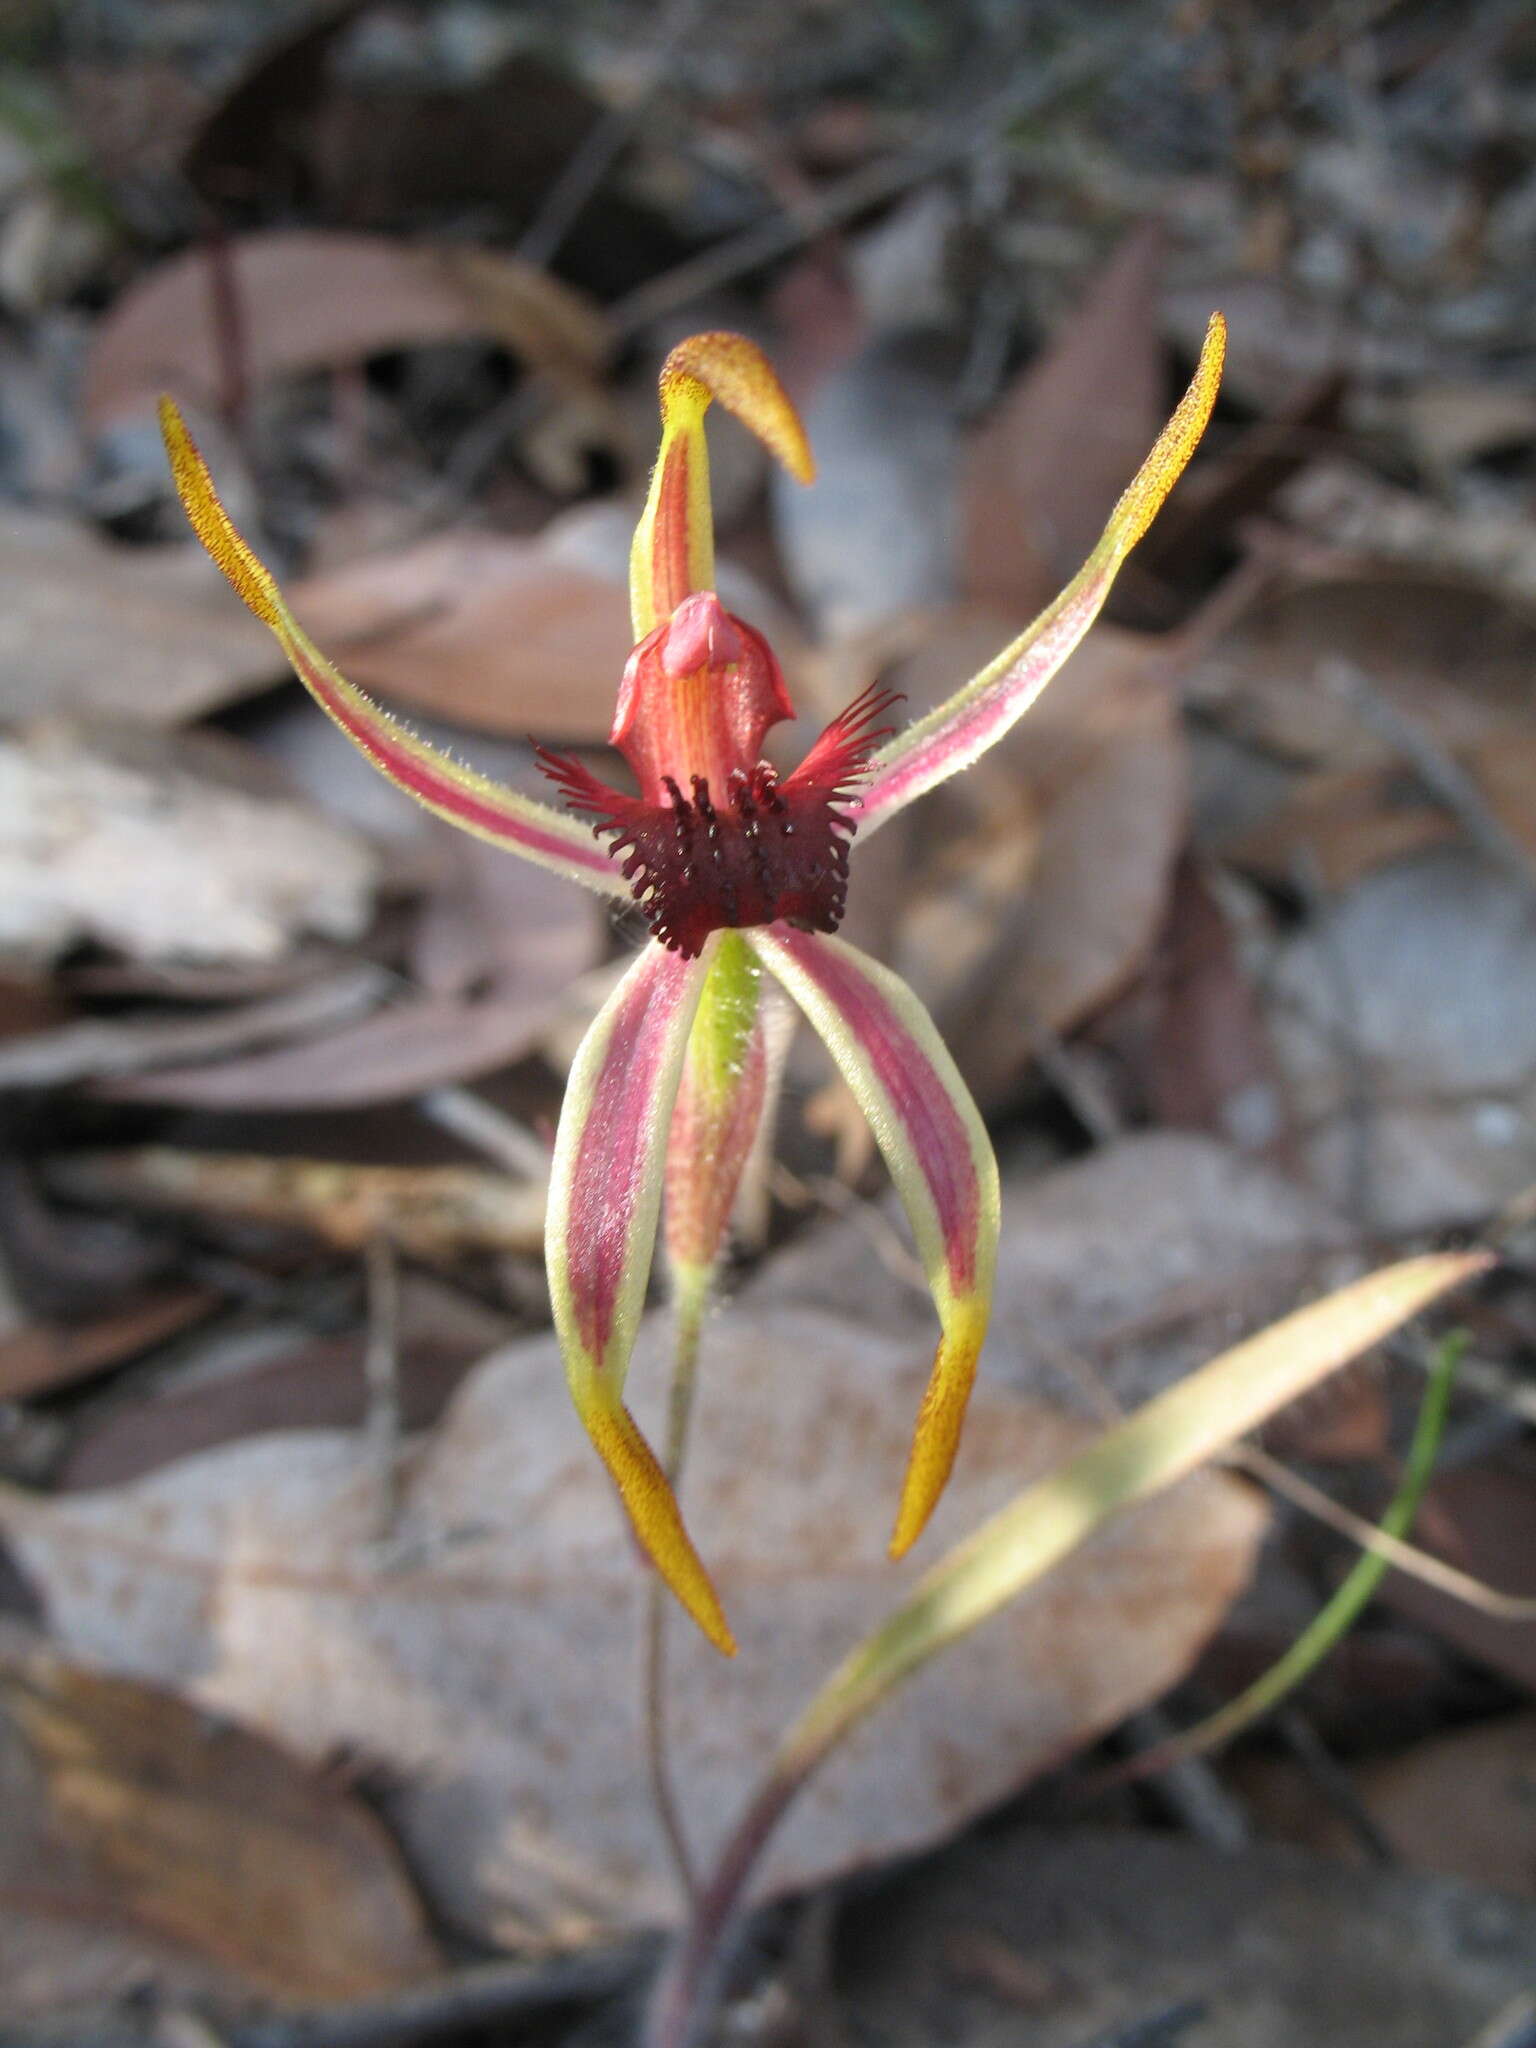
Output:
x,y
1045,467
1287,673
120,841
158,639
490,1659
133,1805
497,948
309,299
488,629
1100,770
1116,1273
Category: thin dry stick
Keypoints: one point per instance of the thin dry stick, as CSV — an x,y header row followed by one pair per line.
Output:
x,y
1328,1628
1406,1557
598,150
1441,773
381,1378
961,136
685,1359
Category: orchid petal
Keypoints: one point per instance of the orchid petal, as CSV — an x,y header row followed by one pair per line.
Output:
x,y
889,1052
604,1200
957,732
674,547
474,802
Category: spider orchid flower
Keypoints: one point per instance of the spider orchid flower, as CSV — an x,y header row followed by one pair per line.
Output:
x,y
739,871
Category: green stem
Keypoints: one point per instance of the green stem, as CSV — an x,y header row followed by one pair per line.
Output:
x,y
1342,1611
689,1307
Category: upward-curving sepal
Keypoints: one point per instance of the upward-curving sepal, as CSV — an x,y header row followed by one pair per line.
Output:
x,y
940,1158
673,553
473,802
604,1199
955,734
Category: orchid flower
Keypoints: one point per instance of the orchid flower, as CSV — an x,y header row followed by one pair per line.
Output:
x,y
739,871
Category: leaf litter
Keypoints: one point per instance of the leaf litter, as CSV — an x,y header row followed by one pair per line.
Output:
x,y
1223,912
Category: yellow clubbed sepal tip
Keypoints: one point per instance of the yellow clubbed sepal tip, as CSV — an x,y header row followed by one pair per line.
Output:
x,y
213,526
936,1438
655,1516
1143,497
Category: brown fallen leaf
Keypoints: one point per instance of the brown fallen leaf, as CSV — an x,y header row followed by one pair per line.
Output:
x,y
1436,649
95,1047
295,1381
136,1805
310,299
1340,824
415,1043
432,1213
496,949
1116,1273
492,1668
1100,767
1459,1802
1046,466
39,1357
124,837
159,640
488,629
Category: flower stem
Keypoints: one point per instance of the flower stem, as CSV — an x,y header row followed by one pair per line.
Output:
x,y
689,1306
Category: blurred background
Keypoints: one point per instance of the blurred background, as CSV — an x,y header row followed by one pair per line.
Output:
x,y
318,1669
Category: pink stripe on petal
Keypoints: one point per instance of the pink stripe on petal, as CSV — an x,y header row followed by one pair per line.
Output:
x,y
600,1233
606,1188
940,1159
923,1103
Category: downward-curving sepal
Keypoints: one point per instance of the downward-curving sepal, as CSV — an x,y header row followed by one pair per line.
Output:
x,y
466,799
940,1158
604,1200
960,730
674,546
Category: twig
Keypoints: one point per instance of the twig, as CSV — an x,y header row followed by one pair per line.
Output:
x,y
1334,1783
598,150
1194,1793
1156,2030
690,1308
1404,1557
488,1129
1337,1617
231,343
966,131
381,1378
1439,771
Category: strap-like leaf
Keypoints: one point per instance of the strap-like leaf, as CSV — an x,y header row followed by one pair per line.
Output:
x,y
889,1052
475,802
673,553
604,1200
960,730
